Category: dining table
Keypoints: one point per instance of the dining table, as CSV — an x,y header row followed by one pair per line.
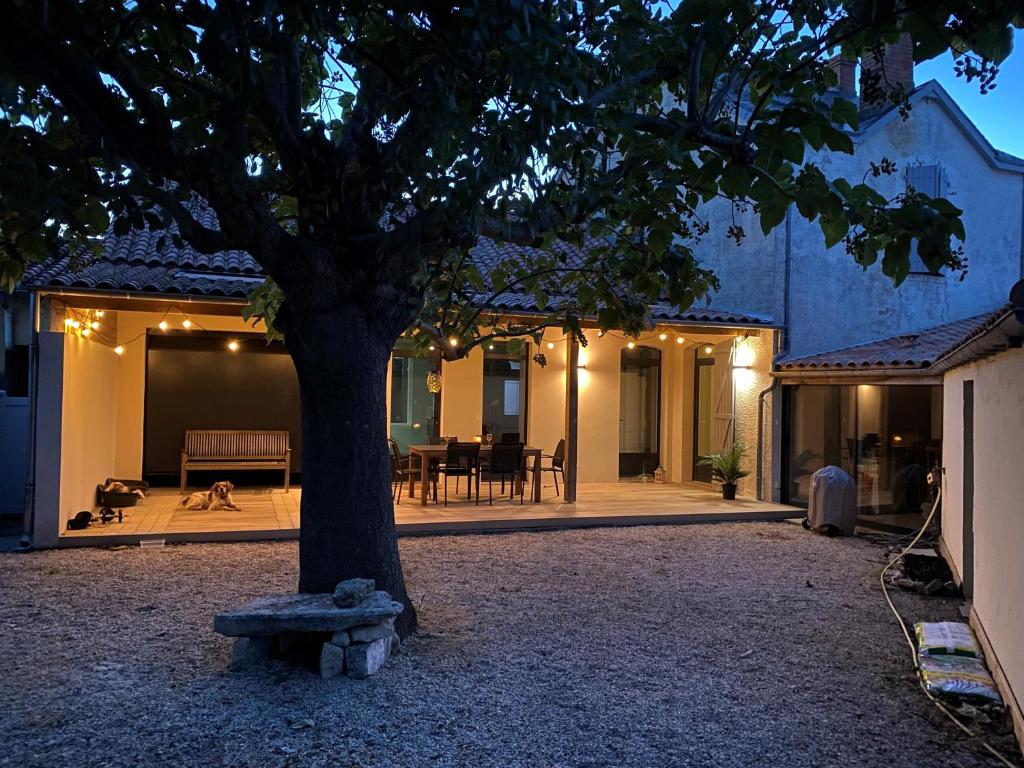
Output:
x,y
435,453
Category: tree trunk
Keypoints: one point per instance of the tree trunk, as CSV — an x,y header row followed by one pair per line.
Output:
x,y
348,518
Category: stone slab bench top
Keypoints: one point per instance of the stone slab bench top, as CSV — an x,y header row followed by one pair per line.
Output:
x,y
277,614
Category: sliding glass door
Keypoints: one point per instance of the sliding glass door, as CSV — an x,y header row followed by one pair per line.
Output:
x,y
504,385
639,411
415,412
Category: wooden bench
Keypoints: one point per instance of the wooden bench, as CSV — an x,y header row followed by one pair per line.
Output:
x,y
236,449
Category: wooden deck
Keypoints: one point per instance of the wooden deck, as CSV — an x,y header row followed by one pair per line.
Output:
x,y
274,514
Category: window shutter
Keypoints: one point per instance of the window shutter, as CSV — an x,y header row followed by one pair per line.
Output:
x,y
926,179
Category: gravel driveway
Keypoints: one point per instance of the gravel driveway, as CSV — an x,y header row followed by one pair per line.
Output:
x,y
715,645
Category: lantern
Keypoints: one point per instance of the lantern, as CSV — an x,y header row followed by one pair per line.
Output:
x,y
434,382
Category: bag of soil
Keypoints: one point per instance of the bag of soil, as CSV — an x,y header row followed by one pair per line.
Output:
x,y
958,676
946,638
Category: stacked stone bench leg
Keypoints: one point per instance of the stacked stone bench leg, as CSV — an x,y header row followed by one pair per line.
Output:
x,y
357,624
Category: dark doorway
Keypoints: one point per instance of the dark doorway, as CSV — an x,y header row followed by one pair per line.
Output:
x,y
968,490
639,411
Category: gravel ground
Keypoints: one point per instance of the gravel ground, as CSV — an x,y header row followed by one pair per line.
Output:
x,y
718,645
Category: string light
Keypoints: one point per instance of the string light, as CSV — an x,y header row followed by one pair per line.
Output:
x,y
662,336
708,350
432,347
631,345
118,350
162,325
68,321
76,324
186,323
680,339
99,313
86,332
551,345
94,325
233,345
454,342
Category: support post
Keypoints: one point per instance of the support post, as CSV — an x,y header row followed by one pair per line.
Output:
x,y
572,413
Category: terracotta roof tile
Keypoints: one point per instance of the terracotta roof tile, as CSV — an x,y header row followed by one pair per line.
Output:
x,y
904,351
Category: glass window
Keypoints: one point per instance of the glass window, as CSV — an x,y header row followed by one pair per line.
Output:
x,y
504,391
886,437
414,410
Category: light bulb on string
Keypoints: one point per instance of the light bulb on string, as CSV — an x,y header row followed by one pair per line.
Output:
x,y
551,345
631,345
68,322
233,345
86,332
99,313
453,342
186,323
662,336
162,325
118,350
708,350
680,339
94,325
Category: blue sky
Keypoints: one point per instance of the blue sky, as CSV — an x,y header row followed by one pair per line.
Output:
x,y
999,114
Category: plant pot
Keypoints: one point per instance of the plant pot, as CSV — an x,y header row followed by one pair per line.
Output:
x,y
729,491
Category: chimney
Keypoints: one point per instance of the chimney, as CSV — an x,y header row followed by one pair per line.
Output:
x,y
895,69
846,72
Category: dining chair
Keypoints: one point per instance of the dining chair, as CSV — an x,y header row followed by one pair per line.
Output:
x,y
462,460
557,464
509,438
403,468
506,460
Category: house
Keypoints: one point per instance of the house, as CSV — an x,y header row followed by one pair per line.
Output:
x,y
802,355
137,347
852,381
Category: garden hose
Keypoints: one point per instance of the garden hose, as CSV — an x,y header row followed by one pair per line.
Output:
x,y
913,648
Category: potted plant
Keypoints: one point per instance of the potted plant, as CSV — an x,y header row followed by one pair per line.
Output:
x,y
726,468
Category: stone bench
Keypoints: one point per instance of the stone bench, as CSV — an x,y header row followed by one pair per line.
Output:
x,y
356,623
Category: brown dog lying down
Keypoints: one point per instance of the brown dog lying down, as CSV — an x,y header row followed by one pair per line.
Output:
x,y
218,497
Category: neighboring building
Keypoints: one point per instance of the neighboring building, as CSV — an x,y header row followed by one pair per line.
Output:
x,y
854,348
982,518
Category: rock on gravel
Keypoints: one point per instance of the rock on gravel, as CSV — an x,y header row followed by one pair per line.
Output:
x,y
630,647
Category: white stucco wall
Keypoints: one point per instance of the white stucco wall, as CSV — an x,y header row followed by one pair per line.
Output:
x,y
832,301
88,418
998,490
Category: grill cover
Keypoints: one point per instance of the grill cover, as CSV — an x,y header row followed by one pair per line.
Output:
x,y
833,501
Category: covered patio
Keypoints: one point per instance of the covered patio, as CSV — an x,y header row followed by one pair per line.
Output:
x,y
130,377
274,513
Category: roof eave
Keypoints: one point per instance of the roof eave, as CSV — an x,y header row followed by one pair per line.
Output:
x,y
1007,332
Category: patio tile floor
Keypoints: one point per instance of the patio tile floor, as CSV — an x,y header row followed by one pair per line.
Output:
x,y
274,513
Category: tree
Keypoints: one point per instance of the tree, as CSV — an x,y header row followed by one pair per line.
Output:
x,y
359,150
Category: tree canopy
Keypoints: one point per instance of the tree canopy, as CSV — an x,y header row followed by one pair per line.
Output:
x,y
359,150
